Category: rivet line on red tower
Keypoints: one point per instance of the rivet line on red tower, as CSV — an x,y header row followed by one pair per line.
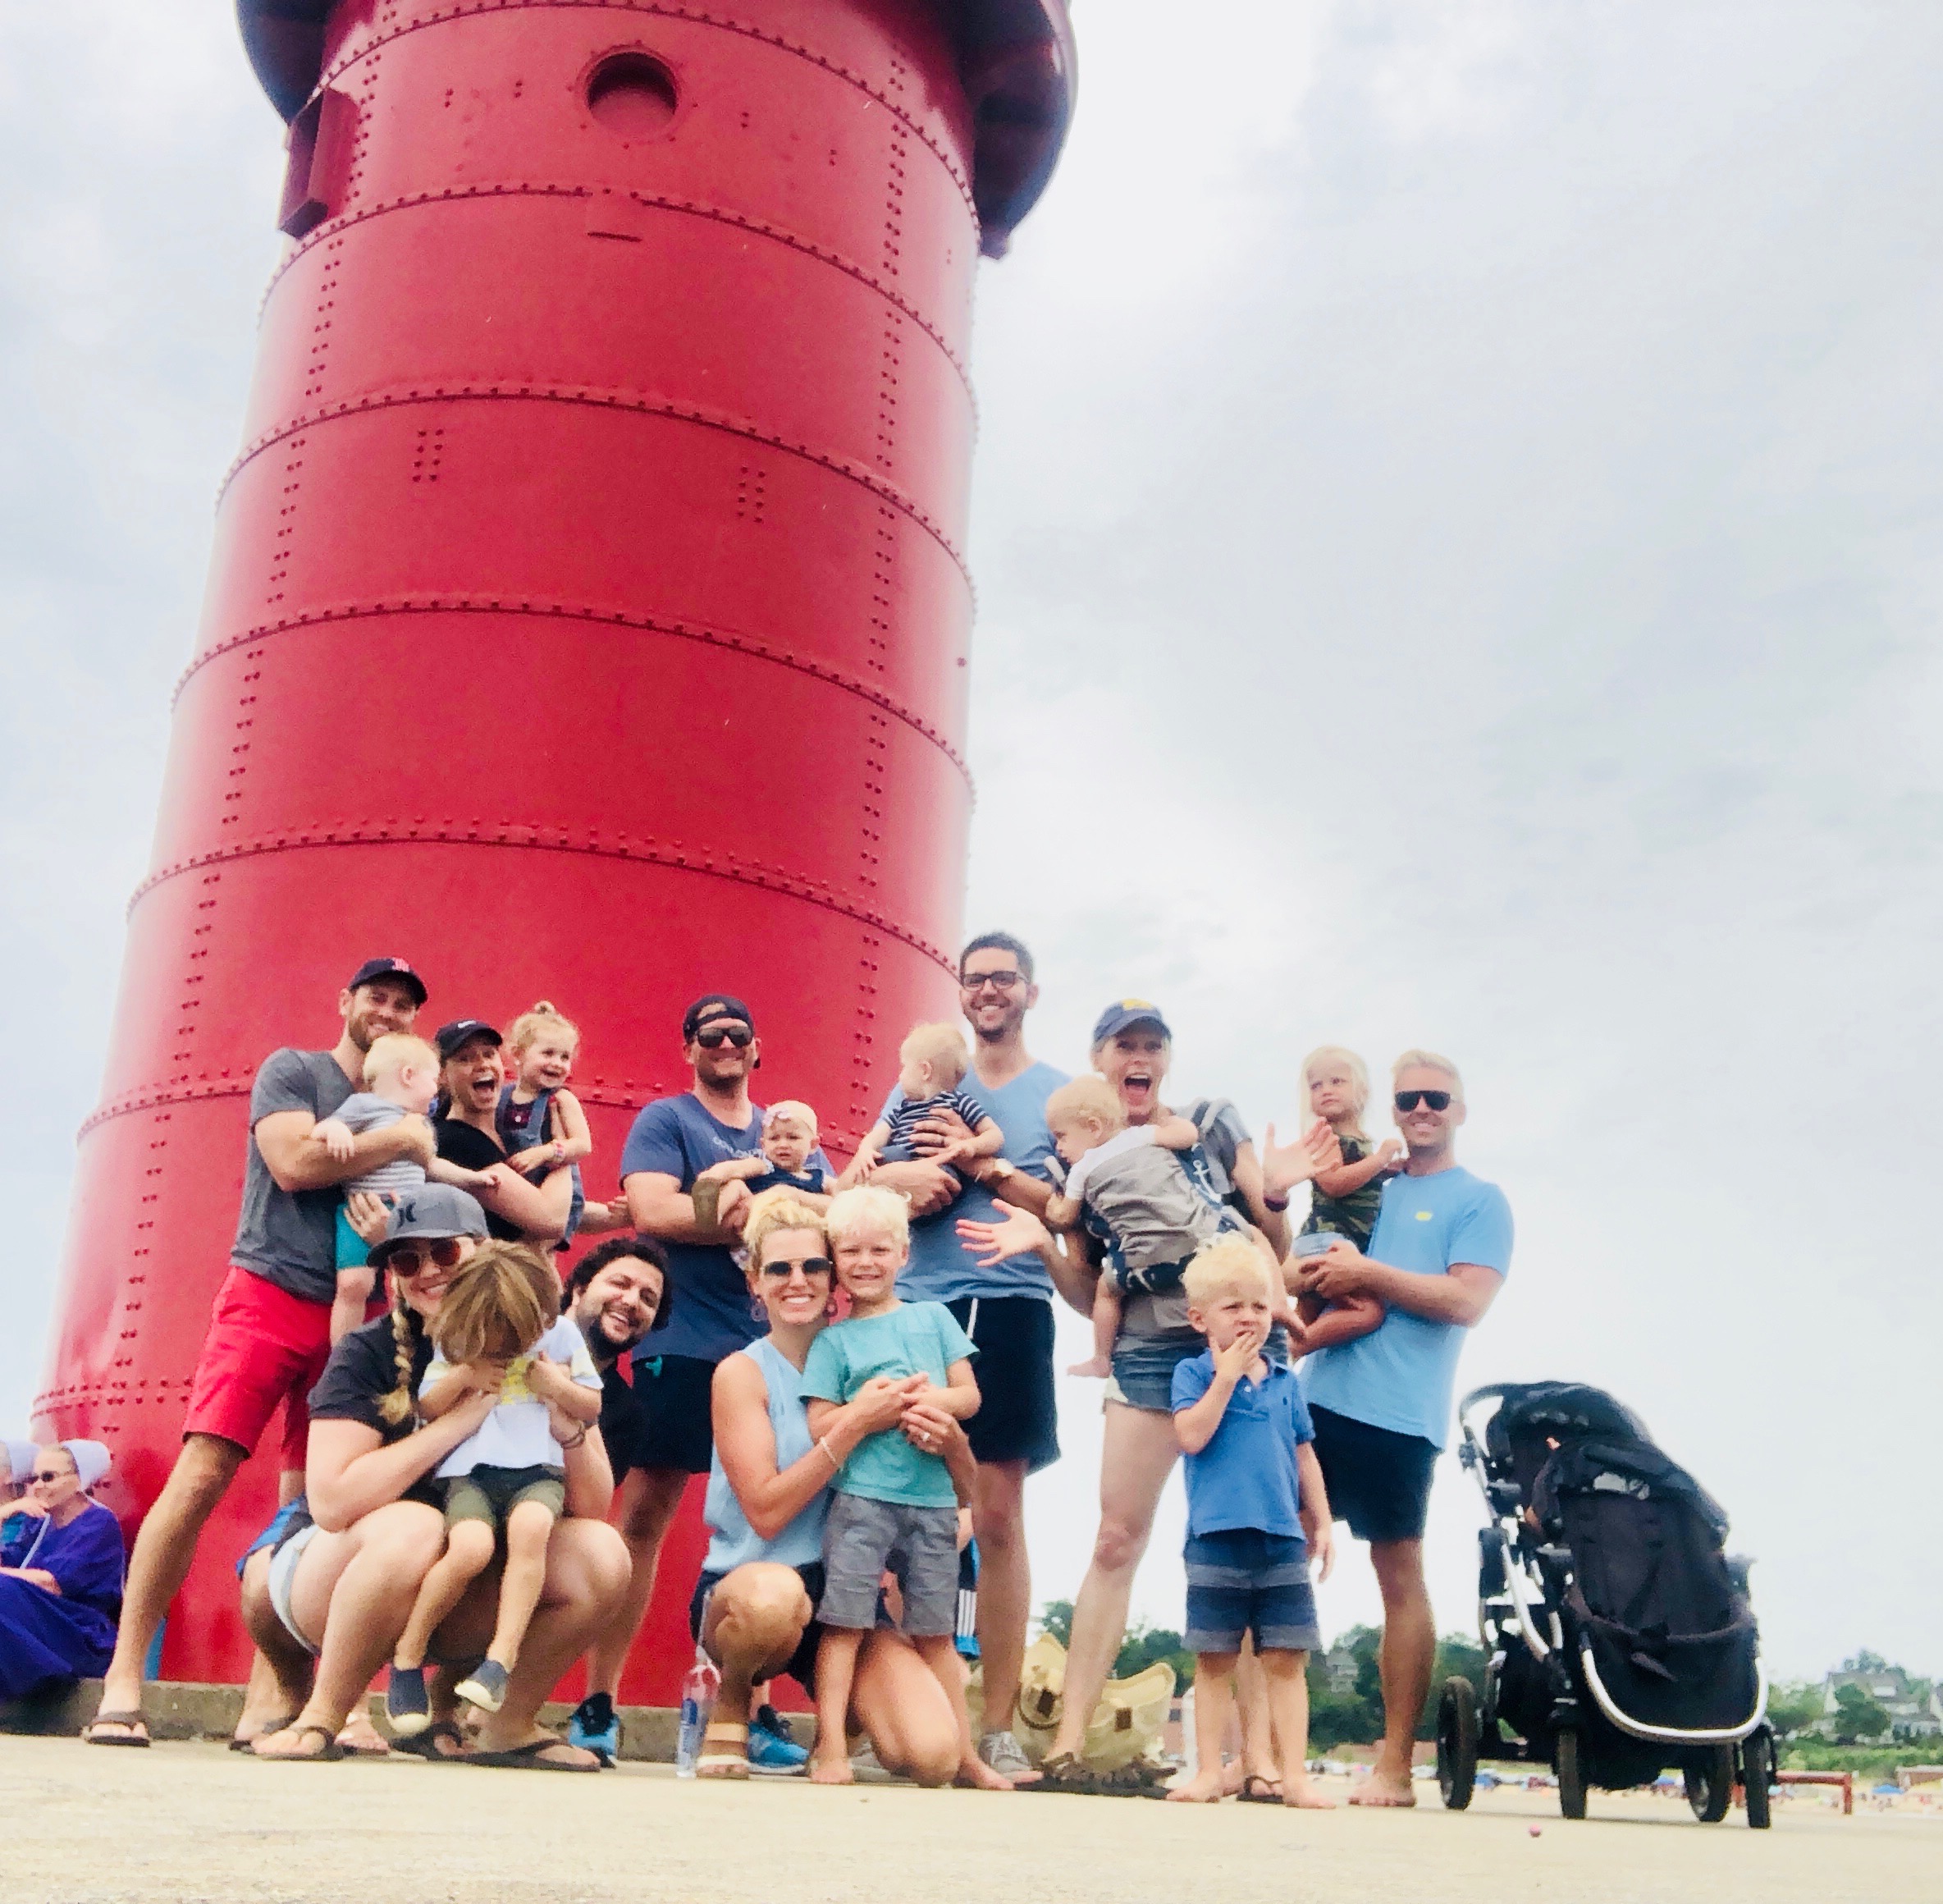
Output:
x,y
695,15
536,838
749,645
658,201
686,413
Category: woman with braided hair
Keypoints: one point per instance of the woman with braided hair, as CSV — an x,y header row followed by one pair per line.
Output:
x,y
329,1601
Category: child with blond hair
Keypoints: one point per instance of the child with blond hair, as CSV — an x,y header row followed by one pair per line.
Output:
x,y
1146,1206
933,1060
498,1330
400,1081
540,1122
1346,1196
788,1138
1257,1514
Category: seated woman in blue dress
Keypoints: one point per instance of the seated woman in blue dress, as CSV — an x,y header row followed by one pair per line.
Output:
x,y
62,1562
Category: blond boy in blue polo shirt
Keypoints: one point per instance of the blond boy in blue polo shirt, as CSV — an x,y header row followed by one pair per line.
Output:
x,y
1257,1510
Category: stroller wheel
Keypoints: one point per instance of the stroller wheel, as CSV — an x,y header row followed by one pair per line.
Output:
x,y
1756,1775
1571,1773
1457,1743
1710,1783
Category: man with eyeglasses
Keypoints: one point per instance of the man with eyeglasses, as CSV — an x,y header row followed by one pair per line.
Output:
x,y
1439,1255
673,1140
1007,1310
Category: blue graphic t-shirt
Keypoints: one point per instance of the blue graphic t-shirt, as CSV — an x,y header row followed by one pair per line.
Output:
x,y
942,1268
1401,1375
715,1314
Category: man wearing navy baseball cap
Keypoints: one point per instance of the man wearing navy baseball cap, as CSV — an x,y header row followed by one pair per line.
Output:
x,y
270,1328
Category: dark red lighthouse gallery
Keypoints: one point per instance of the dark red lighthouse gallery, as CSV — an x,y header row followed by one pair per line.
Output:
x,y
588,615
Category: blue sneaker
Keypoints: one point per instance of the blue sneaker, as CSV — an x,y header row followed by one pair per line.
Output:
x,y
595,1727
773,1754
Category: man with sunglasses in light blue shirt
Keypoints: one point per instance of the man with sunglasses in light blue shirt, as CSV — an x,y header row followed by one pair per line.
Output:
x,y
1439,1254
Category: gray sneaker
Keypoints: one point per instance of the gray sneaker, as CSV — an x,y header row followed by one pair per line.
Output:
x,y
1003,1753
485,1687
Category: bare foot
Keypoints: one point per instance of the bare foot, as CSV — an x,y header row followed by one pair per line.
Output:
x,y
976,1775
832,1771
1302,1794
360,1737
1204,1788
1097,1366
1384,1790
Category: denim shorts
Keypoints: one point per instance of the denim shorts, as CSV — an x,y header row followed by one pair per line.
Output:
x,y
1242,1580
1143,1365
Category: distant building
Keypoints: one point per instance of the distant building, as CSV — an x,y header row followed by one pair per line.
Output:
x,y
1339,1664
1914,1706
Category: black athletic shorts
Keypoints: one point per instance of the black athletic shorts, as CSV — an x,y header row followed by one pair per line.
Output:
x,y
802,1662
673,1427
1018,1409
1378,1480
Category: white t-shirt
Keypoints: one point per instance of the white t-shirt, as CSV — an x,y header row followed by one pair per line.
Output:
x,y
517,1433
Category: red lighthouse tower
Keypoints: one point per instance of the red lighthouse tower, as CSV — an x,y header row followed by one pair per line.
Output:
x,y
588,615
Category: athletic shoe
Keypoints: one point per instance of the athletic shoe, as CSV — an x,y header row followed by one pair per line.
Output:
x,y
485,1687
771,1720
772,1756
595,1726
406,1706
1003,1753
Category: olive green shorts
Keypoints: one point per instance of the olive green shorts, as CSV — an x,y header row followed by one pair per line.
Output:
x,y
491,1493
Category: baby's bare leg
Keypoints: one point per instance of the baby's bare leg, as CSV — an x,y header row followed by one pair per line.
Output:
x,y
468,1549
347,1306
836,1667
1106,1325
528,1528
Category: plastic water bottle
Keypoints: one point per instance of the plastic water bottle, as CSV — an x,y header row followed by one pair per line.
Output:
x,y
698,1693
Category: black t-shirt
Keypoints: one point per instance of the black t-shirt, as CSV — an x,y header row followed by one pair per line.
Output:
x,y
471,1149
362,1370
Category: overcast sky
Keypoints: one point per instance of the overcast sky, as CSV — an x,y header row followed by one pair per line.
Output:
x,y
1457,531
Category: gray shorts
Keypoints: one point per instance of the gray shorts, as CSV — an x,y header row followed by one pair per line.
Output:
x,y
919,1545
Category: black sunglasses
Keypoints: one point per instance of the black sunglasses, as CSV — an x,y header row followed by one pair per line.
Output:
x,y
47,1474
809,1266
713,1037
1410,1100
407,1258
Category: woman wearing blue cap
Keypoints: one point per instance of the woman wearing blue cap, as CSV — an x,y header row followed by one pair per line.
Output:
x,y
1132,1047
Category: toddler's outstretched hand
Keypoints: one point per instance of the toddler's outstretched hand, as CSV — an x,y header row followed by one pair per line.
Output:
x,y
334,1134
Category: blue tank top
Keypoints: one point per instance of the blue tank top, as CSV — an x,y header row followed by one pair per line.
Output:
x,y
734,1542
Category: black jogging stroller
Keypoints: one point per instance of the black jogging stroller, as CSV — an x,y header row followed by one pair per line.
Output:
x,y
1618,1632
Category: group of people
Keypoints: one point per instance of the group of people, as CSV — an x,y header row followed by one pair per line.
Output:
x,y
481,1464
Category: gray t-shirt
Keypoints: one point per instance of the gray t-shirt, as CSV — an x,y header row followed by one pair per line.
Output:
x,y
289,1237
365,1110
1143,1194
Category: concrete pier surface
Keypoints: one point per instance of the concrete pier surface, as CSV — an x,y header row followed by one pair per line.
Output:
x,y
86,1825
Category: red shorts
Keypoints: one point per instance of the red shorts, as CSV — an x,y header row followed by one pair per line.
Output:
x,y
264,1346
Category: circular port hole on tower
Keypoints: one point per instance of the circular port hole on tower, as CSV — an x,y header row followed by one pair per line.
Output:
x,y
632,95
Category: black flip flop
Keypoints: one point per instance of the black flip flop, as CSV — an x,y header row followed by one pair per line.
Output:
x,y
281,1725
120,1718
424,1745
330,1756
526,1758
1249,1796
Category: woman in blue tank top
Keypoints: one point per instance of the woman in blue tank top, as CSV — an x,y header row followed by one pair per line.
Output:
x,y
768,1491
